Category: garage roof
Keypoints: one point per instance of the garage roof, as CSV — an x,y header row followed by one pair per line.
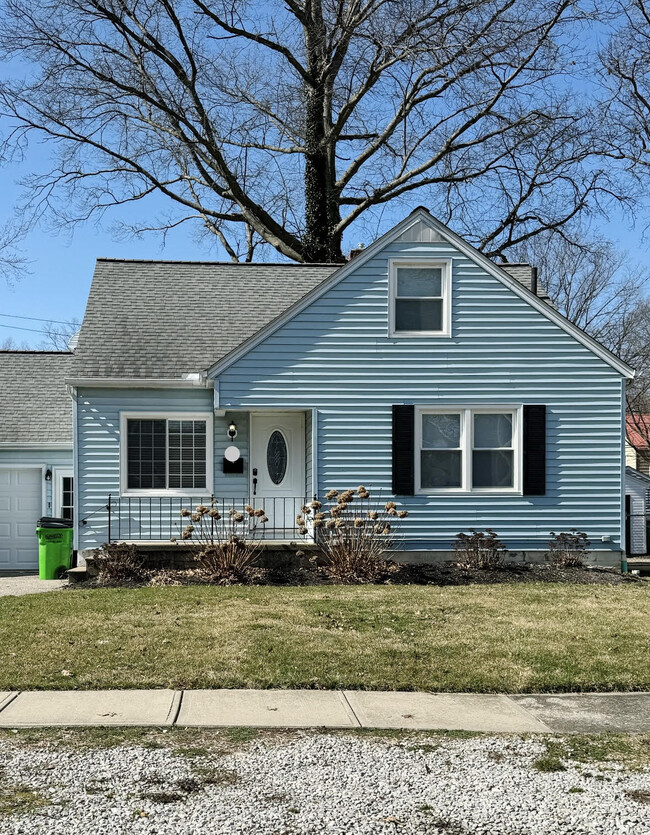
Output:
x,y
35,408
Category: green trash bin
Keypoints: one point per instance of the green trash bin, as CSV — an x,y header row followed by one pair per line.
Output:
x,y
54,547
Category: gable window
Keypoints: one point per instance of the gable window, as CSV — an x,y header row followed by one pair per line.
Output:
x,y
420,298
468,450
168,454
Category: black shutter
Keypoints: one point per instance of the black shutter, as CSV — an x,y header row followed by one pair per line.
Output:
x,y
534,450
403,450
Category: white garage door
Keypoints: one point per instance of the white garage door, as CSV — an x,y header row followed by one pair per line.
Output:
x,y
20,508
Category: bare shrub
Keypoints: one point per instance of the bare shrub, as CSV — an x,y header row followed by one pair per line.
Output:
x,y
227,546
568,549
353,535
118,562
479,549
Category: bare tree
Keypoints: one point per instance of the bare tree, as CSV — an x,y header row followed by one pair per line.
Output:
x,y
10,344
13,264
626,73
287,122
57,335
594,284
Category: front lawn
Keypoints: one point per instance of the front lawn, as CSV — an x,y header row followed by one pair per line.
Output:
x,y
508,638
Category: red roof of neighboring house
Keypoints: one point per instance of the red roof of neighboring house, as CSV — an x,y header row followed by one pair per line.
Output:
x,y
638,430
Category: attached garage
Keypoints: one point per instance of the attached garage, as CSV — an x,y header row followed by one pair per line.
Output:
x,y
21,503
35,450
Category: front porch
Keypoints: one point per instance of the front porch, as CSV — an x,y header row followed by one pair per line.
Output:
x,y
168,462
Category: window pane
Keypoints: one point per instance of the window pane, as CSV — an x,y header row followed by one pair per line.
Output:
x,y
492,469
440,468
440,431
146,445
418,315
492,431
66,498
422,281
187,454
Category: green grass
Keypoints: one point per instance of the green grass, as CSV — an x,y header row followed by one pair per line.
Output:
x,y
500,638
19,799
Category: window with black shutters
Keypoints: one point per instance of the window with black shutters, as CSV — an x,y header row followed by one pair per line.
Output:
x,y
166,454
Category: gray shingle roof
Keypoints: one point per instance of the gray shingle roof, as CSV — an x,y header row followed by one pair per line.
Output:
x,y
35,407
168,318
163,319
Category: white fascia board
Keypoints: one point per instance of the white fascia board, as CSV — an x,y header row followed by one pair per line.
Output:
x,y
143,383
467,249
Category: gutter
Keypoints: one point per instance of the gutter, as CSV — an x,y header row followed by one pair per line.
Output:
x,y
193,380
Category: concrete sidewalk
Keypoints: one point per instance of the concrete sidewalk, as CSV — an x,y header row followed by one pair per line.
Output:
x,y
561,713
19,584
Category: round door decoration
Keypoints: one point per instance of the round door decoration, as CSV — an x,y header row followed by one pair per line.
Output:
x,y
276,457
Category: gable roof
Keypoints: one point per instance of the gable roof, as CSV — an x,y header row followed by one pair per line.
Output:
x,y
165,319
35,407
423,217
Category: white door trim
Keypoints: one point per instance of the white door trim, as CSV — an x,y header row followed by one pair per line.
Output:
x,y
58,474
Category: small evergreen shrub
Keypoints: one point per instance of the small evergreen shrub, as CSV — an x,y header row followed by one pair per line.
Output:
x,y
479,550
119,562
568,549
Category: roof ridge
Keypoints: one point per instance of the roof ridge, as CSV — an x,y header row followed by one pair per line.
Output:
x,y
220,263
35,351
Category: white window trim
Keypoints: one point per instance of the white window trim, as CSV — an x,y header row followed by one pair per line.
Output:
x,y
59,473
467,445
417,263
209,453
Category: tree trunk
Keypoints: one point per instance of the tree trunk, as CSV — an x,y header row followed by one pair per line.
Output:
x,y
322,214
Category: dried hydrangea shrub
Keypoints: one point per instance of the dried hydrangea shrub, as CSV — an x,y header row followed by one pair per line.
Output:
x,y
353,535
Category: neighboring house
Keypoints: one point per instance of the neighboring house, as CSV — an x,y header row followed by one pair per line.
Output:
x,y
35,450
419,369
637,495
637,449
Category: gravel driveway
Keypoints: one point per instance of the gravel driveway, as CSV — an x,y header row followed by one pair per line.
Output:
x,y
295,783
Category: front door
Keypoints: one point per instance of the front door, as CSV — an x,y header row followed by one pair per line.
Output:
x,y
277,469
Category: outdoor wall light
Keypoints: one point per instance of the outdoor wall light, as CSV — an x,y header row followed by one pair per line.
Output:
x,y
232,430
48,475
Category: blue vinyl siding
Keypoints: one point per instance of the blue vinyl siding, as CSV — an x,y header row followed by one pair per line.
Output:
x,y
98,427
48,458
336,356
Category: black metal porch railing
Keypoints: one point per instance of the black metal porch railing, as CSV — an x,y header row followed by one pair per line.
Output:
x,y
158,518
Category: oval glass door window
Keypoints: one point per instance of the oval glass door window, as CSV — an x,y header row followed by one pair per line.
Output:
x,y
276,457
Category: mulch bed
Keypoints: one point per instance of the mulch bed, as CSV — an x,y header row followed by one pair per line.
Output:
x,y
452,575
405,574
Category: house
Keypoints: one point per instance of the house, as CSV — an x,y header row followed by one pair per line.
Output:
x,y
637,507
420,369
35,450
637,449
